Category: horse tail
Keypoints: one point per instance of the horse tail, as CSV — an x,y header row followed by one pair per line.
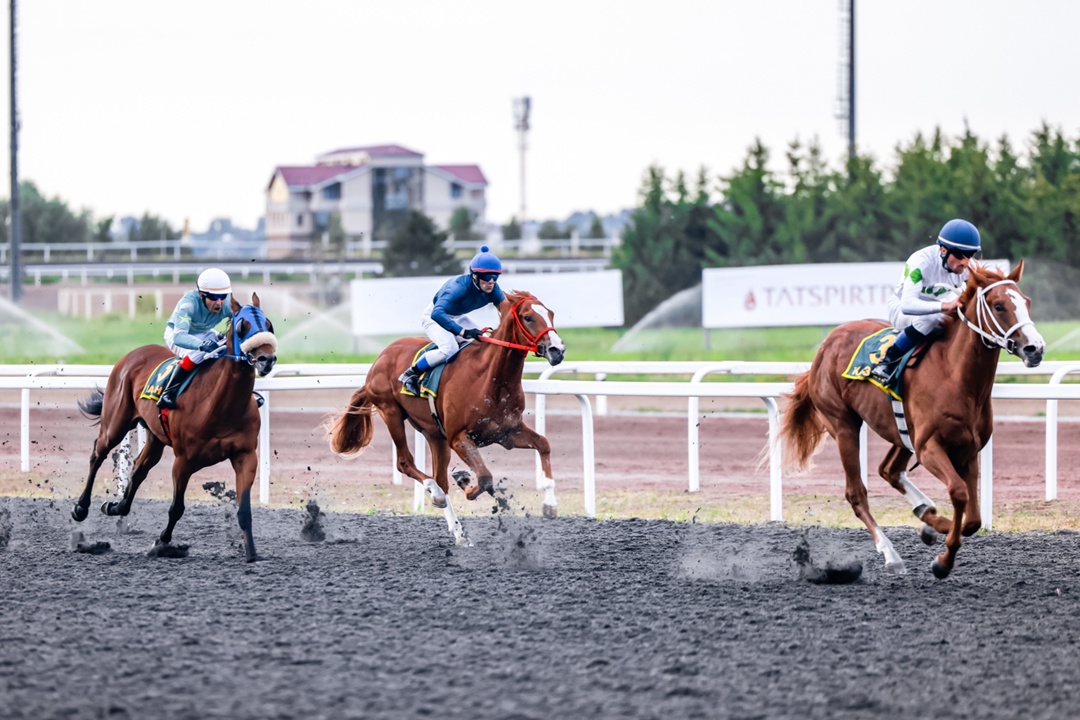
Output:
x,y
801,429
351,431
91,405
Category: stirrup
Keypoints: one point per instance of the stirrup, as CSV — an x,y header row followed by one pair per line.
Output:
x,y
883,372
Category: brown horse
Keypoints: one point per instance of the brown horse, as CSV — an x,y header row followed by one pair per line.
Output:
x,y
216,419
479,403
946,409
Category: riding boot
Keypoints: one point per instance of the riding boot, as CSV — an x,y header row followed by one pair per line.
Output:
x,y
410,380
168,395
883,371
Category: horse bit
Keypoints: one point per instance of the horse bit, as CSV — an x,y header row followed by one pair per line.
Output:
x,y
983,316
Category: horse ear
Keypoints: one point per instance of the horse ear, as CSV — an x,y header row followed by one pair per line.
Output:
x,y
1017,271
255,299
233,304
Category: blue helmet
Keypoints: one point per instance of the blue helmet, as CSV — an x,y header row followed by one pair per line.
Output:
x,y
961,236
485,262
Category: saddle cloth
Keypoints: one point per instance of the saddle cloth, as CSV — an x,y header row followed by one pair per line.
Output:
x,y
871,350
155,384
429,380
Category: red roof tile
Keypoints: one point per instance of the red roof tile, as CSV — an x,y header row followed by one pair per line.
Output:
x,y
304,175
466,173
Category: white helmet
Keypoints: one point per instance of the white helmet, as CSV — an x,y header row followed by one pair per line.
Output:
x,y
214,280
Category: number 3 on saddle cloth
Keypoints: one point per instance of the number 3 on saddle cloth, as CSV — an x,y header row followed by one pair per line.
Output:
x,y
871,350
155,384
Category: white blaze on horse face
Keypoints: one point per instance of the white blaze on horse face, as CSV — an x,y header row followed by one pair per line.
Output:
x,y
1027,328
552,337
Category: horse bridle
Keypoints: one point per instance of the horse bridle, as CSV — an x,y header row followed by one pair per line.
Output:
x,y
258,324
985,317
534,341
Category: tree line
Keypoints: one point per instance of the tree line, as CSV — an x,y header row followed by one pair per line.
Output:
x,y
1025,202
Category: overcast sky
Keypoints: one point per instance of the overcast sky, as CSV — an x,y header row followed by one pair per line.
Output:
x,y
184,109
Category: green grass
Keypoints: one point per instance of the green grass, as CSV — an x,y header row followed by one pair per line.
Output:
x,y
106,337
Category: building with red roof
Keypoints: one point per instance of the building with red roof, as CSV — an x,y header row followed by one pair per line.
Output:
x,y
371,189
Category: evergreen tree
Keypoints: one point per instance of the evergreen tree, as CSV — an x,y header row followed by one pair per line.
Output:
x,y
596,229
512,231
461,225
418,249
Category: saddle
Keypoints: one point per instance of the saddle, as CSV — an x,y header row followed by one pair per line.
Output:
x,y
429,379
870,351
155,384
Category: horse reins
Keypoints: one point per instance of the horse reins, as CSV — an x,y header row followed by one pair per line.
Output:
x,y
983,316
529,337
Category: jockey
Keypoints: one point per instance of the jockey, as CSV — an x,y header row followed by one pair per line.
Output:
x,y
190,331
442,320
918,308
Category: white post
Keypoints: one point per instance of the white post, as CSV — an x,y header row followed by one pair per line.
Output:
x,y
986,484
776,490
420,456
863,442
601,400
589,456
264,450
24,428
1051,449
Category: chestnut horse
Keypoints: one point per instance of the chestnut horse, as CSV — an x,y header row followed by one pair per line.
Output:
x,y
216,419
479,403
946,407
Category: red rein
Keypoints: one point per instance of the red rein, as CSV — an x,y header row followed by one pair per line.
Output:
x,y
535,341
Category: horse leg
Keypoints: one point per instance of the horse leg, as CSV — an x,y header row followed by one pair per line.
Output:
x,y
440,460
973,514
245,466
936,459
526,437
847,440
148,458
109,436
181,473
406,464
894,470
470,453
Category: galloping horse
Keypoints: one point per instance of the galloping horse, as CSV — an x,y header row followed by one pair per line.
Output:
x,y
216,419
946,408
479,403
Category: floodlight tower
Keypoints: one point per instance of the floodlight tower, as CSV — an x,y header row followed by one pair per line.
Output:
x,y
521,124
845,105
14,214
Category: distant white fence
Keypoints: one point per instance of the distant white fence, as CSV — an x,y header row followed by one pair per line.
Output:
x,y
348,377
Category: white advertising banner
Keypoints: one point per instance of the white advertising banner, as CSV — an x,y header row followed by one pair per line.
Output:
x,y
799,295
393,306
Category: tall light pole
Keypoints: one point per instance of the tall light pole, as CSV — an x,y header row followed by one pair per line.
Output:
x,y
521,124
14,227
846,90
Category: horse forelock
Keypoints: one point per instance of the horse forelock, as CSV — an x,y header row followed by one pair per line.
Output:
x,y
979,275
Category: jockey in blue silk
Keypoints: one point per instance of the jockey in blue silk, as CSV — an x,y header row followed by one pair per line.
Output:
x,y
933,279
443,320
190,331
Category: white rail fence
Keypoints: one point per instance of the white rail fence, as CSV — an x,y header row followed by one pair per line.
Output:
x,y
349,377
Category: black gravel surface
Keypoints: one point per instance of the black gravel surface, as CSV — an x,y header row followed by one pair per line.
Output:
x,y
374,616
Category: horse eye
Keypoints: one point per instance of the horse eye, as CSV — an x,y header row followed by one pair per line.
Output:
x,y
999,307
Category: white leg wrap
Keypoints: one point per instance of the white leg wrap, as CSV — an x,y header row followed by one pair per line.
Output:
x,y
915,496
893,562
454,526
437,495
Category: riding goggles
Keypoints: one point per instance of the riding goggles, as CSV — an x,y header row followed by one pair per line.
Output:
x,y
487,277
215,296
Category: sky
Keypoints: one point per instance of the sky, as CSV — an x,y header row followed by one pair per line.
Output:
x,y
184,109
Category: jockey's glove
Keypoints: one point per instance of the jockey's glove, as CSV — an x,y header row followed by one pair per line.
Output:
x,y
209,347
471,333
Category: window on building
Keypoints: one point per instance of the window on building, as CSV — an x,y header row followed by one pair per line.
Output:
x,y
332,192
300,220
455,190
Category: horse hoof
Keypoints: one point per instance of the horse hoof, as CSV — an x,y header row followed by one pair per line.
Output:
x,y
939,570
928,535
462,478
896,568
105,508
79,513
463,541
438,501
551,512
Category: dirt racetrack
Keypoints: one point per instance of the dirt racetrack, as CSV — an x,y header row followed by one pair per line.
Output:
x,y
624,617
